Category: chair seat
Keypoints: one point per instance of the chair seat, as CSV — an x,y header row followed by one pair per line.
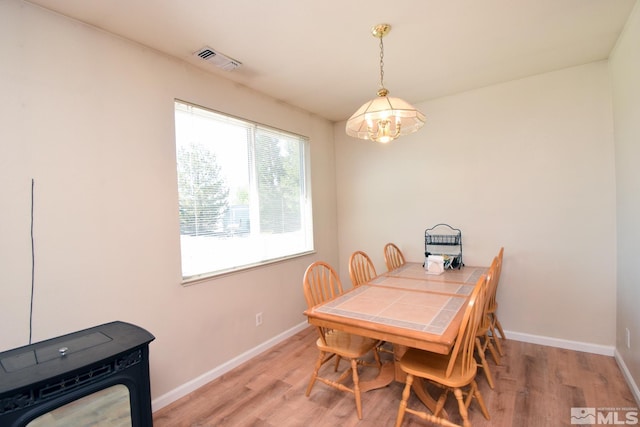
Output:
x,y
433,366
346,345
484,328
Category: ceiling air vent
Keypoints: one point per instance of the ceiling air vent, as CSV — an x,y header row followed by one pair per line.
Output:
x,y
218,59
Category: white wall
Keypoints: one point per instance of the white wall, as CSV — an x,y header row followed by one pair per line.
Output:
x,y
528,165
625,69
89,117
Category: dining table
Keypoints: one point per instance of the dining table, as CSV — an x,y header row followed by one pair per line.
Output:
x,y
407,307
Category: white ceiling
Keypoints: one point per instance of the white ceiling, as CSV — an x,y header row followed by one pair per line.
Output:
x,y
319,55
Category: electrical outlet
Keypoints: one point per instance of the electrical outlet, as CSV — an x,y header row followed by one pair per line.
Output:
x,y
258,319
628,338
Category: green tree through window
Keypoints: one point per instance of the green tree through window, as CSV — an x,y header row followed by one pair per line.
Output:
x,y
204,196
278,183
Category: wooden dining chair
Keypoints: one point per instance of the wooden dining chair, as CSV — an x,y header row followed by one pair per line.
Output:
x,y
361,268
484,339
393,256
321,283
493,305
451,372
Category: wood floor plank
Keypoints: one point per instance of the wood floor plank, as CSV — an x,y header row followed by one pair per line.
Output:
x,y
536,386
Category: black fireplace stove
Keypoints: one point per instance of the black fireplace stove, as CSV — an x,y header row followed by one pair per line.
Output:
x,y
76,379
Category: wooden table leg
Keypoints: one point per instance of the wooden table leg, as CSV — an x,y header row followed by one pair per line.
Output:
x,y
390,372
419,388
383,379
423,394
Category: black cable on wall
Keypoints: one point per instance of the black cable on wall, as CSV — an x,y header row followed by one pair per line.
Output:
x,y
33,264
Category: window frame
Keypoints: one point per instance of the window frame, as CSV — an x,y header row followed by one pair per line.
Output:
x,y
305,188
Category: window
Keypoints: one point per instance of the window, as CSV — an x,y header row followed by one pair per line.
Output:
x,y
244,196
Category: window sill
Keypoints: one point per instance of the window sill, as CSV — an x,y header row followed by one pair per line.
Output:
x,y
192,280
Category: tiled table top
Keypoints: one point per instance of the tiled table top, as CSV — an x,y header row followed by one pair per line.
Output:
x,y
414,270
401,308
425,285
405,306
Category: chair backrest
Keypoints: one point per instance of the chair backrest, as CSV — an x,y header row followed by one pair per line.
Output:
x,y
320,283
393,256
465,341
491,296
491,283
361,268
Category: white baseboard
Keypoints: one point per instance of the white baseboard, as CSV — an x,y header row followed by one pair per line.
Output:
x,y
627,376
207,377
561,343
581,346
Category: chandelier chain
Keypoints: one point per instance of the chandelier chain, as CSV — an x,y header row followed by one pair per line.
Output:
x,y
381,64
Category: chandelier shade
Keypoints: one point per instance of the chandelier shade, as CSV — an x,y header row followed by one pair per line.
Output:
x,y
384,118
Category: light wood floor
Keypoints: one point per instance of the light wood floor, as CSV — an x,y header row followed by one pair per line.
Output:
x,y
536,386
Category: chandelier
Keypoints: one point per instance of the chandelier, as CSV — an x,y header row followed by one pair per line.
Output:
x,y
384,118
